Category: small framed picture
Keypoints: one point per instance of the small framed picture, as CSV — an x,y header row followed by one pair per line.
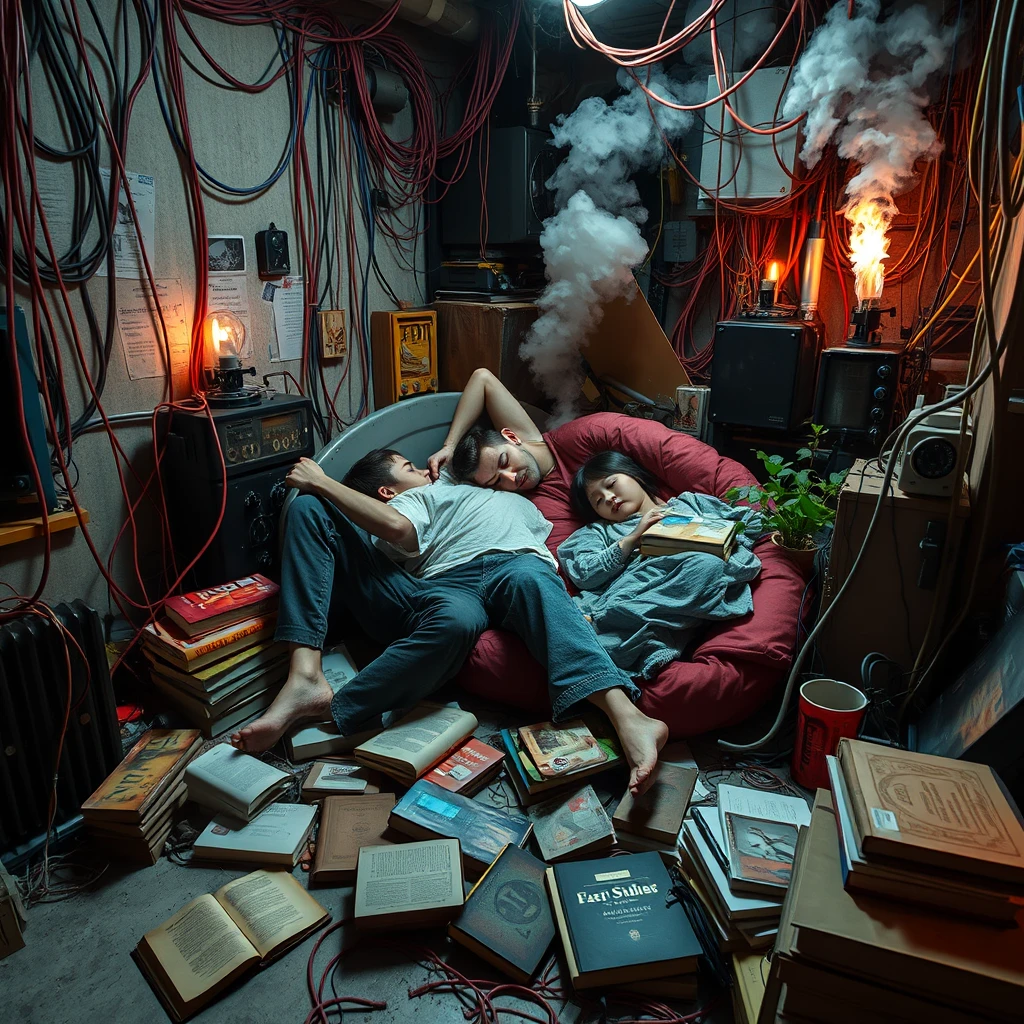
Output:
x,y
692,410
225,254
332,333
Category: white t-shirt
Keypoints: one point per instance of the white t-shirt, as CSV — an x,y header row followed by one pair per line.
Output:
x,y
456,523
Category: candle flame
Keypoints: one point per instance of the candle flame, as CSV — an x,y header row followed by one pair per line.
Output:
x,y
869,245
773,271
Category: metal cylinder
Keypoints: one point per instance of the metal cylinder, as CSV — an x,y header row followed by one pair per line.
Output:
x,y
810,275
388,93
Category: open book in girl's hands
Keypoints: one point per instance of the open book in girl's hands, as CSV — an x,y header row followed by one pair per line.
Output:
x,y
561,749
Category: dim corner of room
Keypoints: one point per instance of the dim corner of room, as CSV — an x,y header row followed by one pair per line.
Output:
x,y
508,511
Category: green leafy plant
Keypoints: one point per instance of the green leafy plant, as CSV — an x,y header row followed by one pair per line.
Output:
x,y
794,501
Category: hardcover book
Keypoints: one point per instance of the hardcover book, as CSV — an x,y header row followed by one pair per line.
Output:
x,y
171,644
617,923
677,533
573,826
411,885
340,778
202,611
658,813
932,810
468,769
228,780
346,826
507,918
561,749
531,786
243,925
152,765
275,836
428,811
208,682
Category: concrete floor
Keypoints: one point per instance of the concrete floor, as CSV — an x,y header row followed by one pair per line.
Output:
x,y
77,967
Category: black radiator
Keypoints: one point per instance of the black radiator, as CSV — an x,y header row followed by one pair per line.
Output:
x,y
33,701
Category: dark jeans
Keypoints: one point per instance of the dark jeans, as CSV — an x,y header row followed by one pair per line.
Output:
x,y
429,626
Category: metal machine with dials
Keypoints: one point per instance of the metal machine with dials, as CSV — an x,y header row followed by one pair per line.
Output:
x,y
258,444
928,459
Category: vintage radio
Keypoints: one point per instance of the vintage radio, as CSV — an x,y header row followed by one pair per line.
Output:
x,y
856,393
404,354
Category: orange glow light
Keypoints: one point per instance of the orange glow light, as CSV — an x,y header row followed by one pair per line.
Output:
x,y
869,247
773,271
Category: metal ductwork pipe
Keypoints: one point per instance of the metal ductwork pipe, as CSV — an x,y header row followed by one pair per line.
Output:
x,y
810,274
454,20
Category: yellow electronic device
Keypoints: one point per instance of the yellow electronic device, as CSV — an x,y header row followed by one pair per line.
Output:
x,y
404,354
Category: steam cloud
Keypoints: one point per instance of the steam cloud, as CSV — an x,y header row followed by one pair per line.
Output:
x,y
592,243
863,82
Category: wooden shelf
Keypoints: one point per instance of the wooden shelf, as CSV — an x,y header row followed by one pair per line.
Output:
x,y
28,529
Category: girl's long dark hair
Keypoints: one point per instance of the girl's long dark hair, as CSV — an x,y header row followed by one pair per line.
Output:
x,y
605,464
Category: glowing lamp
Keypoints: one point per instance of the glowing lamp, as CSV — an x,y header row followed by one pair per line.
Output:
x,y
769,284
223,338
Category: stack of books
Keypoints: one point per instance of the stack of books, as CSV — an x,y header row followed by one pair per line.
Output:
x,y
923,832
132,813
212,654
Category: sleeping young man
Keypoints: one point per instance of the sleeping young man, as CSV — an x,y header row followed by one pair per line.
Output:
x,y
448,560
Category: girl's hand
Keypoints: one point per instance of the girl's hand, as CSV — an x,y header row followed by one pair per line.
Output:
x,y
647,520
438,460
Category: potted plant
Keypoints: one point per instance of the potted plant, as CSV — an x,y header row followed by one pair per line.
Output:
x,y
797,506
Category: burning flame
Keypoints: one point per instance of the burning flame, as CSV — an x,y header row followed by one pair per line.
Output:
x,y
218,334
869,246
772,273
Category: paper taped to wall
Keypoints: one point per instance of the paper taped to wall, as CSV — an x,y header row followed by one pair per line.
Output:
x,y
231,292
125,241
289,318
141,331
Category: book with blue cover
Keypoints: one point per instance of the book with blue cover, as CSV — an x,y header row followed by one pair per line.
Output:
x,y
429,812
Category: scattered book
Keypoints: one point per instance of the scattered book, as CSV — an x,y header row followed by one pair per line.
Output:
x,y
235,783
572,827
340,778
677,533
212,680
203,611
561,749
196,954
170,643
277,836
616,922
760,831
411,885
345,827
507,917
935,811
428,812
468,769
142,843
915,883
658,813
748,987
420,740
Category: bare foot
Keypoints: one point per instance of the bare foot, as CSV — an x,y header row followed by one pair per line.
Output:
x,y
304,697
641,738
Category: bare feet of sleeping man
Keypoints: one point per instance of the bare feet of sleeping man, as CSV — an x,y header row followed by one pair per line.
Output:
x,y
641,737
305,697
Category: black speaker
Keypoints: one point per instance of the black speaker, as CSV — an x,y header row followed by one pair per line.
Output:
x,y
272,256
762,373
856,392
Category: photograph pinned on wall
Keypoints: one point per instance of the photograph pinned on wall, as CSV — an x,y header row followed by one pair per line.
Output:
x,y
225,254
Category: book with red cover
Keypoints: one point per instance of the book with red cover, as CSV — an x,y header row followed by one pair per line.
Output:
x,y
202,611
468,769
171,644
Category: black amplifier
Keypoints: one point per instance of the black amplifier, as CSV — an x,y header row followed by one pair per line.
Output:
x,y
259,444
856,394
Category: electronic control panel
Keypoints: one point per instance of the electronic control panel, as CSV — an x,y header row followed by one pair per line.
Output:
x,y
257,437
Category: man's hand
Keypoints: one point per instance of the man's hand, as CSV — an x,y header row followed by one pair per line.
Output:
x,y
647,520
306,476
439,460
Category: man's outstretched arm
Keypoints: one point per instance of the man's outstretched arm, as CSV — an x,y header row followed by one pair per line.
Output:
x,y
374,516
484,393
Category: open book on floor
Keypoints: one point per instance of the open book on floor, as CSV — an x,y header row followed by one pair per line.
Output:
x,y
213,940
276,836
229,781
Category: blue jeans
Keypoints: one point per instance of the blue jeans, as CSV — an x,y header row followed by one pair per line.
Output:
x,y
429,626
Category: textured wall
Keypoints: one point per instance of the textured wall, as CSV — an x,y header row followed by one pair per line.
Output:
x,y
238,138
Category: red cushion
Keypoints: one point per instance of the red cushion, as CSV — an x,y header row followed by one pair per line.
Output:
x,y
735,668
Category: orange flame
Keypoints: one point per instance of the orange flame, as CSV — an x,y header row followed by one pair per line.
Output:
x,y
218,334
869,246
773,271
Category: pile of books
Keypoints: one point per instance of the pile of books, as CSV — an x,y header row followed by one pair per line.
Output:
x,y
900,955
131,815
212,654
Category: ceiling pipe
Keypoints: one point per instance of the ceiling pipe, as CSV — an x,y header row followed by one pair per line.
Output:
x,y
454,20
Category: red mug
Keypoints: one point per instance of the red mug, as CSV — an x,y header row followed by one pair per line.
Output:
x,y
828,710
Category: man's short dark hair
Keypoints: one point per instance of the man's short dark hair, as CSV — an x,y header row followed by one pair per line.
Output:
x,y
466,458
374,470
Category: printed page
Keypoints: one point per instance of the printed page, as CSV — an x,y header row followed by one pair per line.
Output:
x,y
423,737
270,907
278,829
752,803
242,778
413,876
199,947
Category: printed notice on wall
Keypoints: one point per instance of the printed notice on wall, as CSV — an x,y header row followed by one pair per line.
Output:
x,y
125,240
142,334
231,292
289,318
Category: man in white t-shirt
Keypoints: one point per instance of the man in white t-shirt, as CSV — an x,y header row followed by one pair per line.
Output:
x,y
447,560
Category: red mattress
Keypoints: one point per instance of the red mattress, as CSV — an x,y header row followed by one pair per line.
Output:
x,y
737,665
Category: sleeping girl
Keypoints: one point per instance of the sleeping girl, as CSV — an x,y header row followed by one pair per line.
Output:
x,y
647,610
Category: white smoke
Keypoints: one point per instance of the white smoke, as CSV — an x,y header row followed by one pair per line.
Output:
x,y
863,82
592,243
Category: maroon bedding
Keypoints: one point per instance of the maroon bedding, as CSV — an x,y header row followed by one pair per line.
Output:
x,y
735,667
